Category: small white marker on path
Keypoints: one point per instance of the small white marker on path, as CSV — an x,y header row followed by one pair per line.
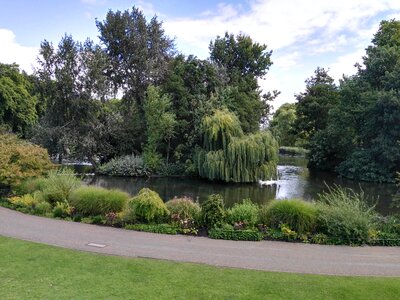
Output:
x,y
96,245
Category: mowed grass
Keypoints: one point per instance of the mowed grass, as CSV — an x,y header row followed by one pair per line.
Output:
x,y
34,271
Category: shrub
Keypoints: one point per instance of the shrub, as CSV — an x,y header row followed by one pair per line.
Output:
x,y
299,215
243,214
58,186
25,201
20,159
184,210
61,210
344,216
237,235
92,200
29,186
157,228
148,206
128,215
129,165
43,208
212,211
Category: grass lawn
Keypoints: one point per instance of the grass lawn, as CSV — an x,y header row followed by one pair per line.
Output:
x,y
32,271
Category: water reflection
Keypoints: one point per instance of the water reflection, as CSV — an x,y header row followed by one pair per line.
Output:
x,y
294,181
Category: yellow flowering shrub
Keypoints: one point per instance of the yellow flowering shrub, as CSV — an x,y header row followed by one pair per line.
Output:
x,y
20,159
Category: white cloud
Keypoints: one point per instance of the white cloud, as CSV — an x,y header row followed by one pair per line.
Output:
x,y
12,52
344,65
285,62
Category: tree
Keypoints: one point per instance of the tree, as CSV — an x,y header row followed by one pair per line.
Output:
x,y
191,83
17,103
230,155
245,62
139,52
282,124
72,79
314,104
361,138
161,125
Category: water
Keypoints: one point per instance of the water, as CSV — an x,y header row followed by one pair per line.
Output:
x,y
295,180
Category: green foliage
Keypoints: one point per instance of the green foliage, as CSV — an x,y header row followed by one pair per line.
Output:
x,y
129,165
245,62
313,105
282,125
213,211
299,215
25,201
59,185
243,214
344,216
236,235
161,123
155,228
184,210
231,156
17,102
360,139
43,208
29,186
20,160
295,151
148,206
61,210
92,201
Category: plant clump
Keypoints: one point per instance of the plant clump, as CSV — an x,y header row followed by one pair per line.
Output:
x,y
92,200
298,215
148,206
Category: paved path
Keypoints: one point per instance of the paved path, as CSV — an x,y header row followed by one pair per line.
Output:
x,y
265,255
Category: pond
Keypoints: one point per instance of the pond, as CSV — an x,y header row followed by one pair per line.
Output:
x,y
295,180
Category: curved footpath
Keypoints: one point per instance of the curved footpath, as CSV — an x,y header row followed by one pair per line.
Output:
x,y
264,255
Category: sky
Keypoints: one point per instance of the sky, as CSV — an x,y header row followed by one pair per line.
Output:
x,y
303,34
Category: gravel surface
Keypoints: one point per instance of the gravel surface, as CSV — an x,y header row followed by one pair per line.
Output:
x,y
265,255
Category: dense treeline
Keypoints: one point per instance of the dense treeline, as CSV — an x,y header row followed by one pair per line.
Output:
x,y
352,128
135,95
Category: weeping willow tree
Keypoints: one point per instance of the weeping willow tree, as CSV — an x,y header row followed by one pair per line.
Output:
x,y
231,156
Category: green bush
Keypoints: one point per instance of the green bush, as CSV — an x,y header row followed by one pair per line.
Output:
x,y
299,215
184,210
29,186
61,210
129,165
345,217
212,211
237,235
92,200
43,208
20,159
148,206
58,186
157,228
243,214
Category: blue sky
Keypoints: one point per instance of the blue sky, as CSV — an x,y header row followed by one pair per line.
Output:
x,y
303,34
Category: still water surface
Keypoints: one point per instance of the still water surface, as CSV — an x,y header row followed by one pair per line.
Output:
x,y
295,180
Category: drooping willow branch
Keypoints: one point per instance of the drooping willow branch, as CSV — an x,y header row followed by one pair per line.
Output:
x,y
231,156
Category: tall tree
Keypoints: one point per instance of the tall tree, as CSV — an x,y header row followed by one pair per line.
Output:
x,y
17,102
161,123
72,78
282,124
245,62
361,139
314,103
139,52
